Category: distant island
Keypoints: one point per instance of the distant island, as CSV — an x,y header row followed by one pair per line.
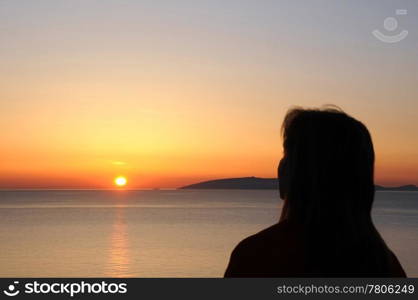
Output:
x,y
256,183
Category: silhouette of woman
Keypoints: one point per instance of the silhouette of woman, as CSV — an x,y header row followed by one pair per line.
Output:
x,y
325,228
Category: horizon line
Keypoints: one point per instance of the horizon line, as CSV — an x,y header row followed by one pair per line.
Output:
x,y
156,188
84,189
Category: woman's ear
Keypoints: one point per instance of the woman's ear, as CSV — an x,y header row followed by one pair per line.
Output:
x,y
283,179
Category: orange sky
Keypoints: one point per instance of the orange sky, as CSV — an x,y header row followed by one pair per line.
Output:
x,y
168,96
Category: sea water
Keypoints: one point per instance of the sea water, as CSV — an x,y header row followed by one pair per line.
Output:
x,y
158,233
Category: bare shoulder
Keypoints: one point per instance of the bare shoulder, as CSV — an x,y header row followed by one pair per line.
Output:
x,y
271,252
268,238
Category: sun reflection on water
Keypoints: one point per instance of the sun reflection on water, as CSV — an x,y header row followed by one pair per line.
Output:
x,y
119,259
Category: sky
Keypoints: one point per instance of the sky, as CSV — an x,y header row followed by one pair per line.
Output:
x,y
168,93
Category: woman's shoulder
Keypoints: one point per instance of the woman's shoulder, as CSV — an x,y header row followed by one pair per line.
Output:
x,y
264,237
269,250
396,267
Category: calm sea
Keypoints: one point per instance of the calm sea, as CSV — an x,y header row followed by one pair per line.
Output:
x,y
165,233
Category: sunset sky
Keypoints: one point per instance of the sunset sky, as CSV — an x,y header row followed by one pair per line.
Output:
x,y
168,93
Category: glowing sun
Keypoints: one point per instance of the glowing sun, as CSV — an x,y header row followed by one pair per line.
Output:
x,y
120,181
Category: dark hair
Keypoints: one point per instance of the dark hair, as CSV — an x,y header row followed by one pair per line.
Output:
x,y
326,178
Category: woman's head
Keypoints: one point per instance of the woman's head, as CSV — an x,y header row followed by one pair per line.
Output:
x,y
326,173
326,180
